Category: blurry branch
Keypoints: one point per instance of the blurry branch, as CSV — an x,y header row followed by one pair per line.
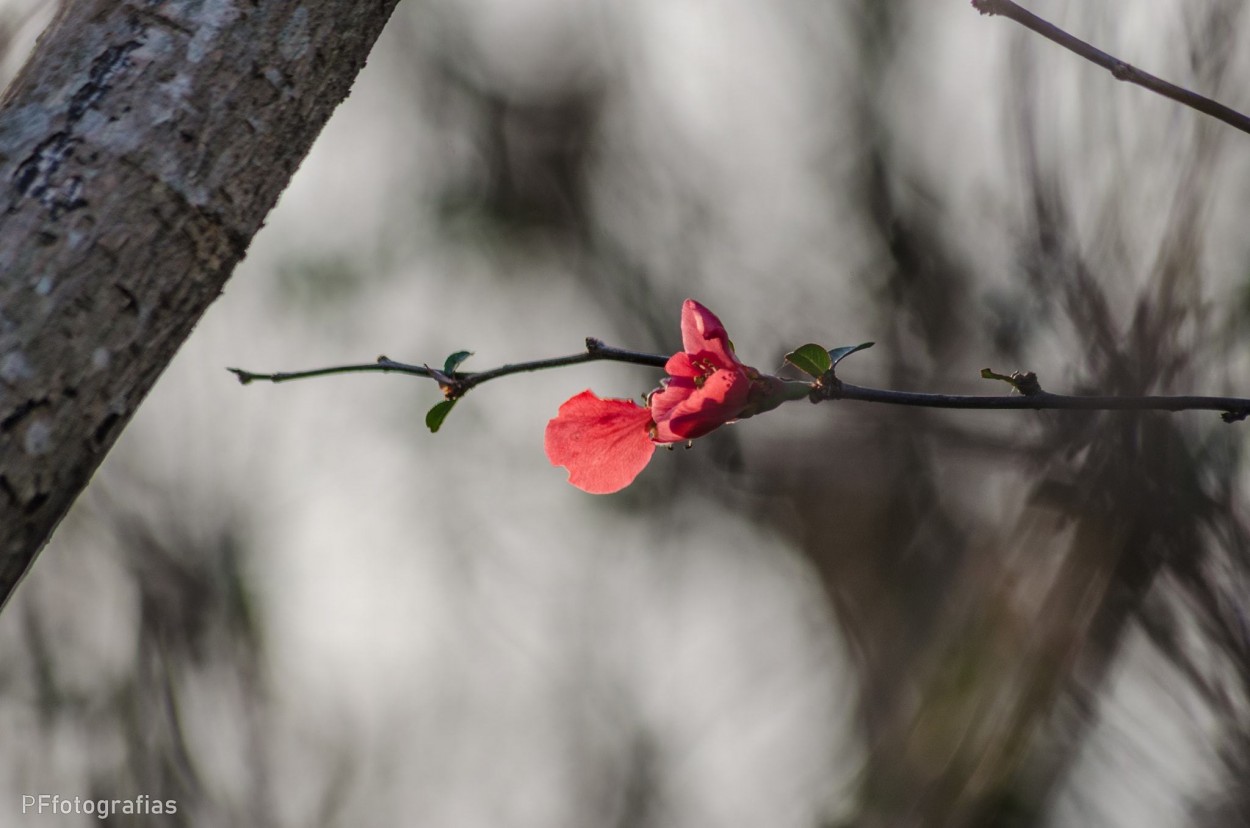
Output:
x,y
1118,68
126,201
456,384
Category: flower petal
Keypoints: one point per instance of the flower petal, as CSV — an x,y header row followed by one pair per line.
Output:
x,y
664,400
679,365
683,412
603,443
703,333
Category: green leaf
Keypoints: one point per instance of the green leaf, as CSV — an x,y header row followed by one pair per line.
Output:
x,y
836,355
435,416
453,362
812,360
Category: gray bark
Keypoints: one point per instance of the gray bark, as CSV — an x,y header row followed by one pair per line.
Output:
x,y
140,149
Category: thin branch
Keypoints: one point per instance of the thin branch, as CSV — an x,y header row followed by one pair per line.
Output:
x,y
1118,68
457,383
595,351
383,365
1234,408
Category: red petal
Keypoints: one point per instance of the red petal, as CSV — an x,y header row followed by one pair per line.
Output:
x,y
664,401
703,333
679,365
603,443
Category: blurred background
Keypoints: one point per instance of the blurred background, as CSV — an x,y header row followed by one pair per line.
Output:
x,y
292,605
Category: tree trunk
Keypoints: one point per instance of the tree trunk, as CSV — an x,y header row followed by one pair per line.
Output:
x,y
140,149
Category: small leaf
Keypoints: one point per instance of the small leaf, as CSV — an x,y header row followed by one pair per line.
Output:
x,y
453,361
435,416
811,359
836,355
987,373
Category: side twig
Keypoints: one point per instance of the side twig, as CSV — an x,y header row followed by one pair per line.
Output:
x,y
1119,69
457,383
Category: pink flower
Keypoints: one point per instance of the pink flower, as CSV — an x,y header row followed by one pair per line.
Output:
x,y
707,385
606,443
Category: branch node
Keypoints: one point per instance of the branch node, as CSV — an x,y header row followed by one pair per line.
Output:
x,y
452,387
1235,415
1024,382
828,387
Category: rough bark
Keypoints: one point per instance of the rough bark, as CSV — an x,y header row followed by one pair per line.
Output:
x,y
140,149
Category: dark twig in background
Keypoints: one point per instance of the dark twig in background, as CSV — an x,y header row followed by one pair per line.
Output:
x,y
1118,68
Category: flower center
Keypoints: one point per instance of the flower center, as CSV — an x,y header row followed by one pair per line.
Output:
x,y
706,368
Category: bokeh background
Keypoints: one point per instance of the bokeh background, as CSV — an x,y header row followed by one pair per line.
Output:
x,y
292,605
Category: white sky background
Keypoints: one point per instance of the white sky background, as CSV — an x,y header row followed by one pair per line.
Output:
x,y
445,609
